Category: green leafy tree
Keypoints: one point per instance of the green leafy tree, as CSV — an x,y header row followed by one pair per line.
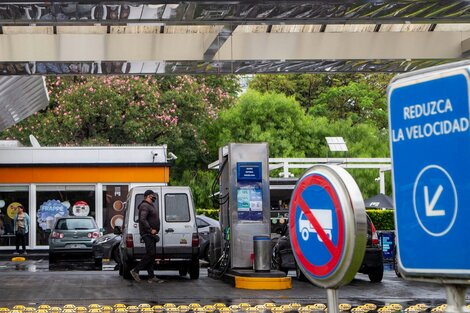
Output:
x,y
290,132
200,182
272,118
303,87
356,101
312,90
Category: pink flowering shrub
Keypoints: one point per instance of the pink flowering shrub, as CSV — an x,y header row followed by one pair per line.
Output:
x,y
130,110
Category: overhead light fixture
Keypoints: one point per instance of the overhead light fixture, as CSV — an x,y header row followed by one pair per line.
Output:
x,y
336,144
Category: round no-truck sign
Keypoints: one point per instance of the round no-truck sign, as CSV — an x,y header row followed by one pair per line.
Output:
x,y
328,226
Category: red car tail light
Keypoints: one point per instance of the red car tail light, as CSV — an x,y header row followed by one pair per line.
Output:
x,y
195,241
93,235
129,241
375,237
57,235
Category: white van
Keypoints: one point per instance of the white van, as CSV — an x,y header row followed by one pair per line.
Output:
x,y
178,248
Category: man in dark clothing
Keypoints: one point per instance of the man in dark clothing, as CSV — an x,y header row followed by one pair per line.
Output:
x,y
149,225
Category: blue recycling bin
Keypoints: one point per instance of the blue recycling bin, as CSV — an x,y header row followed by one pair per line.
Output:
x,y
387,242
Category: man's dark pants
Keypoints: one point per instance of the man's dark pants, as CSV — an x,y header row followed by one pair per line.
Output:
x,y
148,261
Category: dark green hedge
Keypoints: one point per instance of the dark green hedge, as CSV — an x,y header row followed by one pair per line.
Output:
x,y
382,219
213,213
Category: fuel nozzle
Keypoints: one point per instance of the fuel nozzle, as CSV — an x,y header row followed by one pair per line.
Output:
x,y
227,233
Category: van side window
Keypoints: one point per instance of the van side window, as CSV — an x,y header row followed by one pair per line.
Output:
x,y
177,207
138,200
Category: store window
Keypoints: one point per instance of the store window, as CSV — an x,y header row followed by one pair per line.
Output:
x,y
114,197
10,199
60,200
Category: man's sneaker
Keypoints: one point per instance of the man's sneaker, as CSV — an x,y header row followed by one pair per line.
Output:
x,y
25,253
155,280
16,253
135,275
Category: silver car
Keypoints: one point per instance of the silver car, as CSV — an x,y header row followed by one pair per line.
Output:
x,y
203,224
72,237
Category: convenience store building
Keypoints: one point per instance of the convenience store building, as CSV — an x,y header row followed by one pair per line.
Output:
x,y
88,181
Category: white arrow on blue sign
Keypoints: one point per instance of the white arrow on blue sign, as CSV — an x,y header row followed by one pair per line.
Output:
x,y
429,116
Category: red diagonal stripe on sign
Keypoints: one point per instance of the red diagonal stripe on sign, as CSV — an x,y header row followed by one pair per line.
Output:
x,y
319,229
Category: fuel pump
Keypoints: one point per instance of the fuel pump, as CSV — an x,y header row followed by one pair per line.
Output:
x,y
244,201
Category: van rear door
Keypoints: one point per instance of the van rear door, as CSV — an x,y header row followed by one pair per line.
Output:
x,y
178,221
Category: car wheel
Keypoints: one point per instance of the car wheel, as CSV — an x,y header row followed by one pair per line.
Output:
x,y
183,272
206,253
275,260
99,264
126,270
299,274
194,269
52,258
117,258
376,274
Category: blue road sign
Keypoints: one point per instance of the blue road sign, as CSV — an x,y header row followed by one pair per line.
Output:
x,y
430,149
317,225
327,225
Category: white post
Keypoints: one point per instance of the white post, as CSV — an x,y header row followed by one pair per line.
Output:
x,y
332,299
382,181
456,298
286,169
99,207
32,216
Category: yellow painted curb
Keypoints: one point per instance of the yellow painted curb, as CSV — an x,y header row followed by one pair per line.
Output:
x,y
263,283
18,259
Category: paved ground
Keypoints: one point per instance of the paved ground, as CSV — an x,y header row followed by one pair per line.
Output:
x,y
32,283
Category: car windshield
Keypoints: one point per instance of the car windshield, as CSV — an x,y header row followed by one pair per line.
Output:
x,y
75,224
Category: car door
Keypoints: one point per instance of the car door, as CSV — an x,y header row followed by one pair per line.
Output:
x,y
178,222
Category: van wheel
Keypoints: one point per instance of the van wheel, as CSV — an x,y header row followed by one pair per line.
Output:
x,y
194,269
183,272
126,270
305,234
115,255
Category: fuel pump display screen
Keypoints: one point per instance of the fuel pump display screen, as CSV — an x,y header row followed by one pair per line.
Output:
x,y
249,191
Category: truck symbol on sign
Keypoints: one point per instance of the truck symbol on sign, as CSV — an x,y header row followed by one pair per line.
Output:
x,y
323,217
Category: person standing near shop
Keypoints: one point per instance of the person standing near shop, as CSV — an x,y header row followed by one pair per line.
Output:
x,y
21,227
149,226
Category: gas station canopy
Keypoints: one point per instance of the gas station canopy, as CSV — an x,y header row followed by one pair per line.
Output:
x,y
242,37
220,37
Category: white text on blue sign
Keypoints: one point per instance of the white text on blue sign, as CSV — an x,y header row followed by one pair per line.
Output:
x,y
436,128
